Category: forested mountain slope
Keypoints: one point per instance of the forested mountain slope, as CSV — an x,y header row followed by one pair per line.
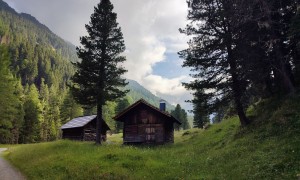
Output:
x,y
36,65
35,51
35,69
137,92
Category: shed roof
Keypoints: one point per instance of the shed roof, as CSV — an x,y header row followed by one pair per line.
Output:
x,y
142,101
81,121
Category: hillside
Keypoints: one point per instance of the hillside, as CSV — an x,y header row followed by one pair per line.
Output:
x,y
33,44
267,149
137,92
37,65
31,35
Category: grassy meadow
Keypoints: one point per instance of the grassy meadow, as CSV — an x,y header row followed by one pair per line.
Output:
x,y
268,149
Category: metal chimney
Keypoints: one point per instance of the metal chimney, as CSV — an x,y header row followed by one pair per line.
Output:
x,y
162,105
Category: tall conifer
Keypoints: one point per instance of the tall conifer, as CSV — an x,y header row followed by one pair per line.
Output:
x,y
213,54
98,77
11,106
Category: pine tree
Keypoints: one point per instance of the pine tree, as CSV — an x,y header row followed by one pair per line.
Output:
x,y
98,77
201,113
19,111
33,119
44,99
212,53
54,120
108,112
181,115
122,105
294,36
70,108
11,107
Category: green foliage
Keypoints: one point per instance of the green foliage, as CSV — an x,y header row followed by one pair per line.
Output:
x,y
181,115
11,106
37,57
33,118
108,114
98,77
241,51
122,105
200,110
70,109
294,35
266,149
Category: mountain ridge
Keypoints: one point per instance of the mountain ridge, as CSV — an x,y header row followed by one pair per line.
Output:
x,y
42,36
138,91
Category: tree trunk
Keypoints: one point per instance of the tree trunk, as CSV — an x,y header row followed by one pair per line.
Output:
x,y
237,95
99,124
236,87
242,116
100,102
285,80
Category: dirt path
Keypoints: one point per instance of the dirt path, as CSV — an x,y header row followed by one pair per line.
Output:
x,y
7,172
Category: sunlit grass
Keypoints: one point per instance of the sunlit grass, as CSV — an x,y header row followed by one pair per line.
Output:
x,y
224,151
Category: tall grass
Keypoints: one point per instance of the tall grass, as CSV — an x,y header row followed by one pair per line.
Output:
x,y
268,149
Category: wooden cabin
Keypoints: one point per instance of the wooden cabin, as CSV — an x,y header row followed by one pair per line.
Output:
x,y
83,129
146,124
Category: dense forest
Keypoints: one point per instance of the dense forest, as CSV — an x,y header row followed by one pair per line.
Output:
x,y
36,66
241,52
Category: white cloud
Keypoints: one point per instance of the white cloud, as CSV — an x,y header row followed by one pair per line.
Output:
x,y
169,89
150,29
157,84
142,56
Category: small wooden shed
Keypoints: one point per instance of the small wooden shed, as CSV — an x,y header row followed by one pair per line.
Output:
x,y
147,124
83,129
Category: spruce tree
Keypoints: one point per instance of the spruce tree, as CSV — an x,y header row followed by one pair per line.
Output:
x,y
200,110
181,115
44,98
70,108
122,105
212,53
33,119
54,120
11,106
98,77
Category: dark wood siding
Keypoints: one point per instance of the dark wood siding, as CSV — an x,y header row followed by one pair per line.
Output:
x,y
85,133
73,133
144,125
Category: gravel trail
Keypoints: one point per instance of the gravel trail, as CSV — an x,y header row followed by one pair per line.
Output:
x,y
7,171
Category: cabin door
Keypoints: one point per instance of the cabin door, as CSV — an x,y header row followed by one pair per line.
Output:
x,y
150,134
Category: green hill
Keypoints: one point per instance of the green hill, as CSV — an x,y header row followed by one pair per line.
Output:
x,y
49,54
38,62
137,92
269,148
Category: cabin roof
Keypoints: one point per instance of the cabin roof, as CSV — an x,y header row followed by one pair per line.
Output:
x,y
142,101
81,121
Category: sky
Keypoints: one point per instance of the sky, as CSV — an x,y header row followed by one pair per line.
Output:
x,y
150,30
